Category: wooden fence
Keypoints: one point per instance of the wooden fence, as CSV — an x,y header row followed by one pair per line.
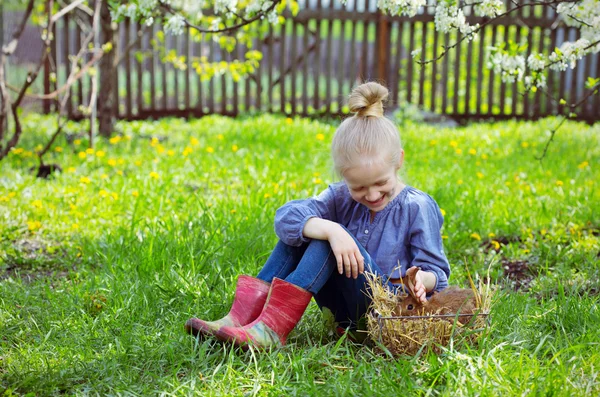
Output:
x,y
311,63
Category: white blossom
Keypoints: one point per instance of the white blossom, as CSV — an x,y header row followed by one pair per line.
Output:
x,y
175,25
401,7
536,62
568,54
451,17
488,8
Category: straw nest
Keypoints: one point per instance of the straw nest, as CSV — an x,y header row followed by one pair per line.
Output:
x,y
410,334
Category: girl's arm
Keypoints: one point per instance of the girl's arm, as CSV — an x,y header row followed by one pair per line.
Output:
x,y
347,253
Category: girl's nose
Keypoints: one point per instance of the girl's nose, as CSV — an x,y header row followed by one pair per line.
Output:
x,y
372,195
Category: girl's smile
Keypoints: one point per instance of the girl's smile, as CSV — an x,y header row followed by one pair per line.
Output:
x,y
373,185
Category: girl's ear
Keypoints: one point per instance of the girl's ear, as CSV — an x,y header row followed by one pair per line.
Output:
x,y
400,160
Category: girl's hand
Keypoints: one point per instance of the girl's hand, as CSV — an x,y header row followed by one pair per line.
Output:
x,y
418,287
347,254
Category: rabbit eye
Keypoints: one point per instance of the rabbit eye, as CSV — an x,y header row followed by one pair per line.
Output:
x,y
409,307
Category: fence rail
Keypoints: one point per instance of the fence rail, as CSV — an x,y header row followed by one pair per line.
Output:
x,y
311,63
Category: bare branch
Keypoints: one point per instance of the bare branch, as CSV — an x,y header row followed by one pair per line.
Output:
x,y
229,28
9,48
66,10
138,36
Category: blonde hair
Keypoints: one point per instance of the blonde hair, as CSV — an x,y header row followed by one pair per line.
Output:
x,y
368,136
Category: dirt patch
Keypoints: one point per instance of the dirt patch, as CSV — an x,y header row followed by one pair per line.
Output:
x,y
519,273
32,258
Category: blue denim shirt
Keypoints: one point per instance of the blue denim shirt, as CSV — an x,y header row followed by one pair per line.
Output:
x,y
405,233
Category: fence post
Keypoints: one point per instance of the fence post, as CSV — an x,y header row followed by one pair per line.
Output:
x,y
46,102
382,46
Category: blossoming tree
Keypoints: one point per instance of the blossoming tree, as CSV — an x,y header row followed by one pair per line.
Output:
x,y
225,17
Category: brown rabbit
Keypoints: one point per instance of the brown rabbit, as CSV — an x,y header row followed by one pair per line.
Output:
x,y
451,300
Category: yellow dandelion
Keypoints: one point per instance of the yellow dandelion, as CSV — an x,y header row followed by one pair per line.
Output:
x,y
320,137
194,141
122,161
583,165
100,153
445,237
85,179
210,149
187,151
114,140
472,151
433,142
559,183
34,225
137,163
135,193
127,137
82,155
293,185
171,153
458,151
525,251
453,143
4,199
12,194
475,236
490,235
154,175
27,153
17,150
58,149
495,244
77,142
154,141
543,232
289,121
507,183
459,182
103,176
119,172
267,195
103,193
484,156
73,207
112,162
316,181
220,137
38,148
480,175
525,144
443,212
90,151
75,226
235,148
160,149
232,211
37,204
114,195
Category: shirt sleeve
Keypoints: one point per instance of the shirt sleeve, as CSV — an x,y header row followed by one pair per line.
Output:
x,y
426,247
291,217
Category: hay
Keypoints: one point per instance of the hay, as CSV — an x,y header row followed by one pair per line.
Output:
x,y
410,334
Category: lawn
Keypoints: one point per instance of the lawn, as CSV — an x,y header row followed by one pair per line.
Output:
x,y
101,265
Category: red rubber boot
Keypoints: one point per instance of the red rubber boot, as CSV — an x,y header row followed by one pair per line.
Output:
x,y
284,308
250,297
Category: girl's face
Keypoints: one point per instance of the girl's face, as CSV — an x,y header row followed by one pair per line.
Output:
x,y
374,185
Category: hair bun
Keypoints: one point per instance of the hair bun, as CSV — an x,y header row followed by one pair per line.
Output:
x,y
367,99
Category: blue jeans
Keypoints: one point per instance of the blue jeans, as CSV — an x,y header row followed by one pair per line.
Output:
x,y
313,267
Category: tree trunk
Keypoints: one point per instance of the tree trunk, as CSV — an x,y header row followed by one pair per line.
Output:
x,y
106,108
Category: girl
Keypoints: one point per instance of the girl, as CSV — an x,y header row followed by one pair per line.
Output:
x,y
370,221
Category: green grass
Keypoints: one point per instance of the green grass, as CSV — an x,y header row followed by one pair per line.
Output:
x,y
101,265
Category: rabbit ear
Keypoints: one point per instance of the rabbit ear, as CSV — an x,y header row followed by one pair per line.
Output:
x,y
411,280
